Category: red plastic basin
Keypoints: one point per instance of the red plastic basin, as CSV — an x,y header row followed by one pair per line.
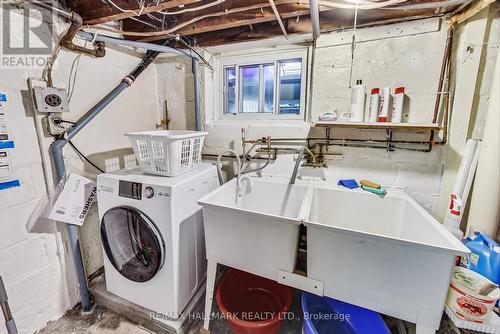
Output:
x,y
252,304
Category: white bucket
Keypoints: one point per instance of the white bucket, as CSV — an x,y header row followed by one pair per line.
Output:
x,y
463,297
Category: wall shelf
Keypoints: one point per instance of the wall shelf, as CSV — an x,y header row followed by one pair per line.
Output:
x,y
384,126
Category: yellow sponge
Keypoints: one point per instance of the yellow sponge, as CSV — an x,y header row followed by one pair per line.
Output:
x,y
370,184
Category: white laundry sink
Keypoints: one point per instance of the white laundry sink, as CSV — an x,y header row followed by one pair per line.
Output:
x,y
258,234
383,253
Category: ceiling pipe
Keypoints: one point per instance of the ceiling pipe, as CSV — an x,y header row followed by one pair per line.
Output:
x,y
76,21
67,41
135,44
314,8
278,18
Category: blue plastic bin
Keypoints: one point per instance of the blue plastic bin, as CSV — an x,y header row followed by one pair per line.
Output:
x,y
323,315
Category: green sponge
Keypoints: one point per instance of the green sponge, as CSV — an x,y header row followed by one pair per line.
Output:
x,y
379,191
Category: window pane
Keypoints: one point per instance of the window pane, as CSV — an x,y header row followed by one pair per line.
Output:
x,y
290,83
230,89
269,88
249,76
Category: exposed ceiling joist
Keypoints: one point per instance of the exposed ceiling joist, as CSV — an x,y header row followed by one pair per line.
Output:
x,y
108,13
213,22
242,16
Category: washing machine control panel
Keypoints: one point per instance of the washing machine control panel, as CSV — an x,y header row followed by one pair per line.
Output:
x,y
130,189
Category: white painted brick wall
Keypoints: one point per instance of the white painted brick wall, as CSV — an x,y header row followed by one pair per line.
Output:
x,y
35,266
379,61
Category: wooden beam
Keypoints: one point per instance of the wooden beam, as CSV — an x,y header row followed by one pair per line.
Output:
x,y
249,15
94,12
254,16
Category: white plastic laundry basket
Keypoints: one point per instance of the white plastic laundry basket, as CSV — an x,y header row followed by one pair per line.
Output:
x,y
167,152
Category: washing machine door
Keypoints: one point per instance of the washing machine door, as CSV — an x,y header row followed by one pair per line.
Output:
x,y
132,243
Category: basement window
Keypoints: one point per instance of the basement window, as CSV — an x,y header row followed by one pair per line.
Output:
x,y
270,86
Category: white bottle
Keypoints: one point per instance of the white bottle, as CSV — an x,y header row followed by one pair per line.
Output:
x,y
374,105
397,105
383,115
358,101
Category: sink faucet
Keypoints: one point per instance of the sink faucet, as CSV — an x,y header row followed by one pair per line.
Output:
x,y
301,152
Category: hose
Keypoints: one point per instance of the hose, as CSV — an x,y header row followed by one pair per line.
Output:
x,y
219,168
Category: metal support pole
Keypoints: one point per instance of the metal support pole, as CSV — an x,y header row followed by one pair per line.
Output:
x,y
196,75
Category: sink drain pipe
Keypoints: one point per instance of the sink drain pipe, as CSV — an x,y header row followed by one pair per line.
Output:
x,y
4,305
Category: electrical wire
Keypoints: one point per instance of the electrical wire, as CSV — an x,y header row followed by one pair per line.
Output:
x,y
187,44
81,154
194,9
47,71
353,45
183,24
73,75
128,10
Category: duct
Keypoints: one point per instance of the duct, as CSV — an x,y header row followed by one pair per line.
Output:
x,y
56,151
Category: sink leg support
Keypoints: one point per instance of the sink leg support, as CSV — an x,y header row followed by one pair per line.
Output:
x,y
209,294
424,329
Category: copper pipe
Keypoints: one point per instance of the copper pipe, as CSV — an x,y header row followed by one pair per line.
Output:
x,y
445,71
446,57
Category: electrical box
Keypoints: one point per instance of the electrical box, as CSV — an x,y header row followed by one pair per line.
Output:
x,y
50,99
52,124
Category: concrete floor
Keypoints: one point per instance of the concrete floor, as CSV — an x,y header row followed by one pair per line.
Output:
x,y
105,321
101,321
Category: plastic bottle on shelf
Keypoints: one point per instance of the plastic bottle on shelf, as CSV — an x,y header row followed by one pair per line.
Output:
x,y
358,101
385,99
374,105
397,105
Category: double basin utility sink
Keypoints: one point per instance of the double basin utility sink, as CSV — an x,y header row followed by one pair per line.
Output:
x,y
386,253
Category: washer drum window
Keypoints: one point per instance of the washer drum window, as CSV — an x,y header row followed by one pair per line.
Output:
x,y
132,243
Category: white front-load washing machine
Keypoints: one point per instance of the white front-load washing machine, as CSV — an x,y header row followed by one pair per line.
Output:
x,y
153,237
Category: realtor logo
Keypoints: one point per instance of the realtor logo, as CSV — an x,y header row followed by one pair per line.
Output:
x,y
27,35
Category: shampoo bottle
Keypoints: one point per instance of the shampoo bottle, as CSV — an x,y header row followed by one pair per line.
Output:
x,y
358,102
397,105
385,99
374,105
